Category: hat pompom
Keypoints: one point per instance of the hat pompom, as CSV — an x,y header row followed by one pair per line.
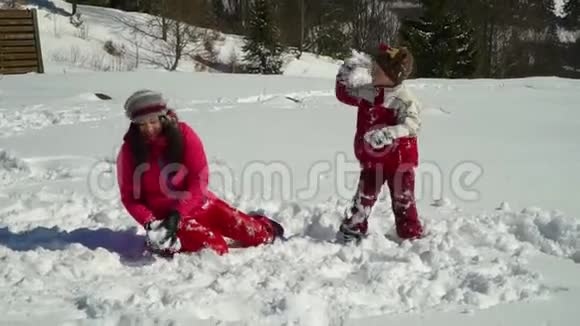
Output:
x,y
384,47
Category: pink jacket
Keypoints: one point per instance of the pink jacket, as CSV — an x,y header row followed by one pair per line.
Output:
x,y
379,107
147,194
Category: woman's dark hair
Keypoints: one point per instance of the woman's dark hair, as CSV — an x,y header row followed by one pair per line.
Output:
x,y
140,149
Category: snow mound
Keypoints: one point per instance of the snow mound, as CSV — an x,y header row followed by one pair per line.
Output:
x,y
11,167
549,232
464,262
310,65
39,117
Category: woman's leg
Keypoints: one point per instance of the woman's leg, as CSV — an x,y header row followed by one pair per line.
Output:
x,y
195,236
220,217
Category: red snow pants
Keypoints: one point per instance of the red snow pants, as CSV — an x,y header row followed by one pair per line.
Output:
x,y
401,183
216,220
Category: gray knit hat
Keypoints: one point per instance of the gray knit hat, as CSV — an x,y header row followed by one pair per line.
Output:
x,y
145,104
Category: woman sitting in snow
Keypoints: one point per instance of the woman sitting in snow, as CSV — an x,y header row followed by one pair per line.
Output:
x,y
163,181
385,140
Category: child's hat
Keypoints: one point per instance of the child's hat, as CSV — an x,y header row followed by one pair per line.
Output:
x,y
397,63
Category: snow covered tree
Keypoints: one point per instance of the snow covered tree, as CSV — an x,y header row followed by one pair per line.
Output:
x,y
164,37
534,46
442,43
572,14
371,22
262,47
329,34
329,39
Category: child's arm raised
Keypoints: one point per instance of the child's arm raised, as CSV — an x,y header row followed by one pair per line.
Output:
x,y
353,84
342,91
344,95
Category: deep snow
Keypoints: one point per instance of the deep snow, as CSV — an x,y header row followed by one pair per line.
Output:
x,y
71,253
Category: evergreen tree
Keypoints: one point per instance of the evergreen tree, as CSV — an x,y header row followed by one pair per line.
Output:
x,y
534,14
465,49
262,49
442,42
572,14
535,48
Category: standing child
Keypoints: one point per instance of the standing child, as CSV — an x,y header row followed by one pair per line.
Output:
x,y
385,142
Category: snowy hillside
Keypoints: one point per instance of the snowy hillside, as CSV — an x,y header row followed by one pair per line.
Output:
x,y
67,48
72,256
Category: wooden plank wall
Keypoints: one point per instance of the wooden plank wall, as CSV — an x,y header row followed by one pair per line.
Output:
x,y
20,50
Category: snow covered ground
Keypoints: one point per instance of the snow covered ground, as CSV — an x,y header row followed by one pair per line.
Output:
x,y
497,190
72,256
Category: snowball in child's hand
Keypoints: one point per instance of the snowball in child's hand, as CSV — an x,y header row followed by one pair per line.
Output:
x,y
359,76
361,65
359,59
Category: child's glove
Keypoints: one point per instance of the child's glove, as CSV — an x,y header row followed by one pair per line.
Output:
x,y
379,138
162,235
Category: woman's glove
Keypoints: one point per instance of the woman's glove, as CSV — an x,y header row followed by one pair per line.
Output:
x,y
162,235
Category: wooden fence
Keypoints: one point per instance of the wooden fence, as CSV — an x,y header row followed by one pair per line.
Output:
x,y
20,50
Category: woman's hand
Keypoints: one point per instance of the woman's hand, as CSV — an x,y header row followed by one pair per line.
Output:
x,y
162,235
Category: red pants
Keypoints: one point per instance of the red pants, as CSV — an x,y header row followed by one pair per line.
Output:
x,y
402,188
217,220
